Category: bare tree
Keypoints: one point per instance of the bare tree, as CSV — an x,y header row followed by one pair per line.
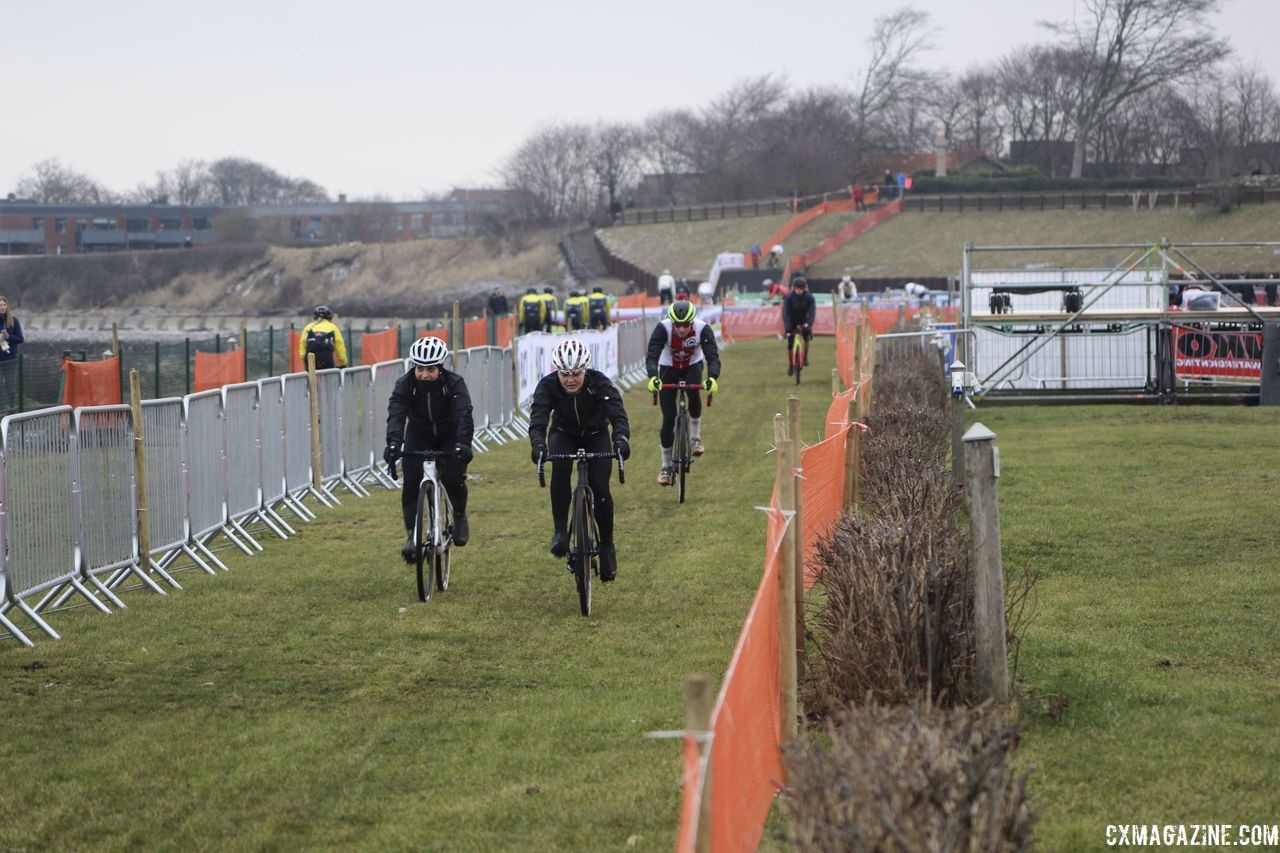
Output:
x,y
665,145
980,114
615,158
240,181
552,168
891,82
1126,47
188,182
52,182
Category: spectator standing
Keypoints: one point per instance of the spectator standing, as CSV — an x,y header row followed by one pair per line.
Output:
x,y
323,339
10,337
890,186
498,306
631,290
775,256
666,287
549,308
598,308
848,289
756,254
859,197
707,293
529,309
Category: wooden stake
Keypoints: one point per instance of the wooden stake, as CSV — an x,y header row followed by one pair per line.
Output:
x,y
698,702
852,458
140,473
786,589
982,464
797,485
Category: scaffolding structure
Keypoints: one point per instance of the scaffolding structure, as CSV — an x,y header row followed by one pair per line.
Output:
x,y
1098,333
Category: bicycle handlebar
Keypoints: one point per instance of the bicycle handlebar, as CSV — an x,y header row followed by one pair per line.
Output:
x,y
418,454
688,386
580,455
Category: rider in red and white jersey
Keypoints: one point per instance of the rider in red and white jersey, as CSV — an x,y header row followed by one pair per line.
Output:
x,y
678,347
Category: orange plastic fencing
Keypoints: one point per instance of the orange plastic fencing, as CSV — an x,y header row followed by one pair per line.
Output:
x,y
506,331
639,300
746,725
215,369
846,341
92,383
442,333
849,232
838,412
475,333
821,493
296,362
377,347
824,321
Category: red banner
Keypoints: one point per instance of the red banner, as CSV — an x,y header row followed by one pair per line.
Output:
x,y
1202,354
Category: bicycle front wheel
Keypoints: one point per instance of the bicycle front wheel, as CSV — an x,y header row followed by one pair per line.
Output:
x,y
443,553
582,546
797,358
422,538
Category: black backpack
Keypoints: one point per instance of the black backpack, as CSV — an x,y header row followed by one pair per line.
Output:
x,y
320,344
533,312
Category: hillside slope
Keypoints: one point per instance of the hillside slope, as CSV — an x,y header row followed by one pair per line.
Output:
x,y
932,244
417,278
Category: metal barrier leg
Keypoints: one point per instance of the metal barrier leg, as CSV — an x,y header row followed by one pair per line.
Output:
x,y
13,629
299,509
205,550
269,512
35,617
234,525
269,523
158,569
226,531
111,595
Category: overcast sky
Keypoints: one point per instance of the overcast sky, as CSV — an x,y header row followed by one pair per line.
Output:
x,y
402,97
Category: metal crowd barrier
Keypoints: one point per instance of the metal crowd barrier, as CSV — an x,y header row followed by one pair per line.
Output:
x,y
216,462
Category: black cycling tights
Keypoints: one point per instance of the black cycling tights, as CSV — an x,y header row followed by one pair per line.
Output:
x,y
598,473
667,399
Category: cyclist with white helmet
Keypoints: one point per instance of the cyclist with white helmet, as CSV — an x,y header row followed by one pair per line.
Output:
x,y
574,407
677,349
430,409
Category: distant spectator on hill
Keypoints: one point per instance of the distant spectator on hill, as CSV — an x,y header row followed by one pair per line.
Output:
x,y
682,290
756,254
631,290
775,256
498,306
890,186
1270,289
859,197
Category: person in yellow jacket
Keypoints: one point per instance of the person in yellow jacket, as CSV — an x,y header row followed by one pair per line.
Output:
x,y
549,308
598,308
324,339
575,311
530,311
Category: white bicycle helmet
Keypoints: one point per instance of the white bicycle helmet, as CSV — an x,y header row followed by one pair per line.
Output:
x,y
570,356
428,352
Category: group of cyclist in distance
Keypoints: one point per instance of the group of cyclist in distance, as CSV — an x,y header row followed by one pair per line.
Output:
x,y
573,407
536,311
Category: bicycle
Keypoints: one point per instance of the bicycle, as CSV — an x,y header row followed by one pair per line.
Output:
x,y
682,445
584,536
795,345
432,525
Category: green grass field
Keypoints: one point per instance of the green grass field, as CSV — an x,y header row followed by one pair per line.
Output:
x,y
305,699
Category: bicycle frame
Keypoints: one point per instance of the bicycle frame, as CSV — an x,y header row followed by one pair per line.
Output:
x,y
682,448
433,539
584,544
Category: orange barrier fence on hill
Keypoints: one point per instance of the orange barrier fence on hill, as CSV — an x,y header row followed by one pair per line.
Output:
x,y
847,233
215,369
377,347
92,383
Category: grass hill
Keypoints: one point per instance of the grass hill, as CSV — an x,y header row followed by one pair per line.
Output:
x,y
424,277
932,244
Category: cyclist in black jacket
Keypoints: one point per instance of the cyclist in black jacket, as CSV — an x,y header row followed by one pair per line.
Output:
x,y
580,405
798,312
430,409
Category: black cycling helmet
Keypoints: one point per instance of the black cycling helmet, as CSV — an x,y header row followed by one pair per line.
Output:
x,y
682,312
548,290
322,312
597,289
799,281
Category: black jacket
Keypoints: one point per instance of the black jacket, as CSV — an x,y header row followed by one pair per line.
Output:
x,y
798,309
596,406
430,414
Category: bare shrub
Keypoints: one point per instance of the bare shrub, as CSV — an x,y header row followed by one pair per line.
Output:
x,y
908,779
